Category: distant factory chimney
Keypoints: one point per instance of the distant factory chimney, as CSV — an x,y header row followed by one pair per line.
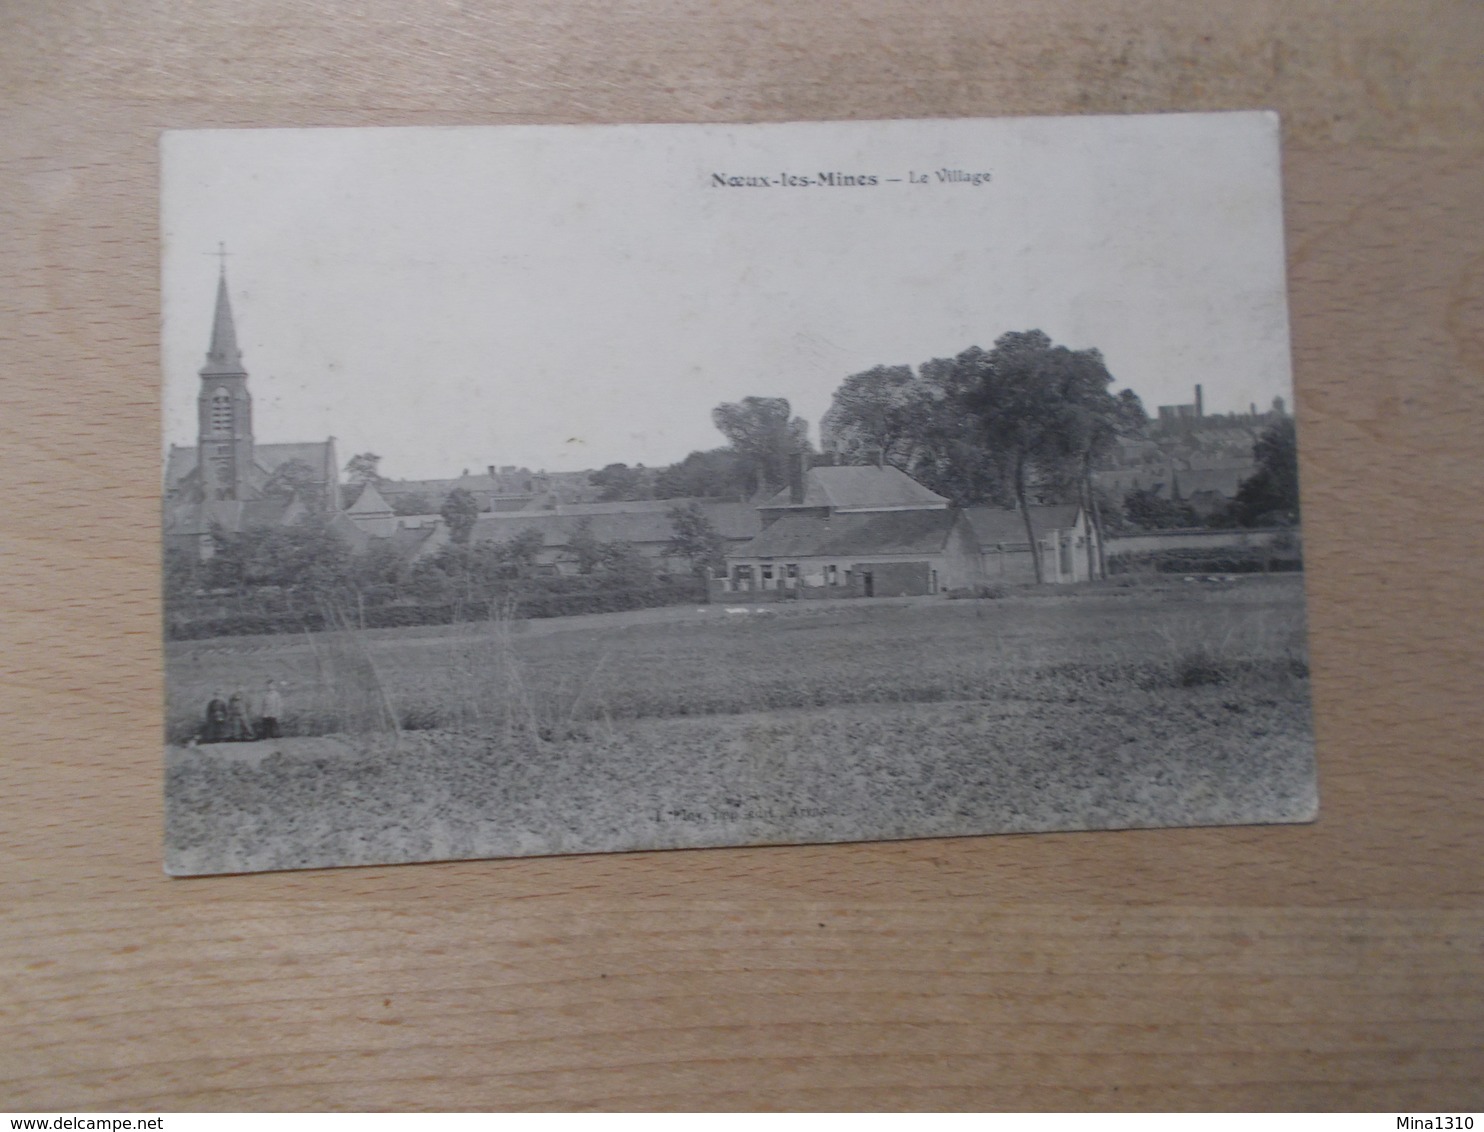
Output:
x,y
1200,403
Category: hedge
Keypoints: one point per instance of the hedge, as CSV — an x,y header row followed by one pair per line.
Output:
x,y
560,600
1196,561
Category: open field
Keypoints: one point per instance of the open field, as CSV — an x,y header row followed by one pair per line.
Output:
x,y
826,721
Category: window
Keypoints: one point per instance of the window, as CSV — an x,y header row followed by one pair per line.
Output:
x,y
221,413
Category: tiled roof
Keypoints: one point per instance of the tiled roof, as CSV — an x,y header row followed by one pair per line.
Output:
x,y
994,526
647,521
860,488
861,533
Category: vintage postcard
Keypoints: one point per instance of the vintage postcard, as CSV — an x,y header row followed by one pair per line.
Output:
x,y
537,490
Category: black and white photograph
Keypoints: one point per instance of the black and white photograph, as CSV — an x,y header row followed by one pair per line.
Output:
x,y
565,489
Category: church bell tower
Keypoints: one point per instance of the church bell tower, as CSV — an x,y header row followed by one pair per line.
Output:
x,y
224,410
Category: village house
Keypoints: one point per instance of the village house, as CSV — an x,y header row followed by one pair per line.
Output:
x,y
870,530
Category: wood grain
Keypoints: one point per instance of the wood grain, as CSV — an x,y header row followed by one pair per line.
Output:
x,y
1339,965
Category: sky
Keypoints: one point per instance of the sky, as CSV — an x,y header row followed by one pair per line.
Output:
x,y
565,297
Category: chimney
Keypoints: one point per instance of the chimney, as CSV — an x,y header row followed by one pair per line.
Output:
x,y
797,468
1200,403
491,469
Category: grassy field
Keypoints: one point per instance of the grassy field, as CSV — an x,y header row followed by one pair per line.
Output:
x,y
1097,708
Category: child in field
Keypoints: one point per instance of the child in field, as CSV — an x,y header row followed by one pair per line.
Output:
x,y
216,719
272,709
238,729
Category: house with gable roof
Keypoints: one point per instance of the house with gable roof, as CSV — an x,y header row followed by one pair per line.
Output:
x,y
868,530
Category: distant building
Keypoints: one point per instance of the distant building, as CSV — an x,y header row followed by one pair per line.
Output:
x,y
1194,411
1189,456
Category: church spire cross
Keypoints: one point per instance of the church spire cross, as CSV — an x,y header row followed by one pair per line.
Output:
x,y
221,253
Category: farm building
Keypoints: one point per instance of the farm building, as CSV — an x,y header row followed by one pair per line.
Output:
x,y
869,530
1065,540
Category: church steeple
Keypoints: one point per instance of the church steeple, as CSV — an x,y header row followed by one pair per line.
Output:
x,y
224,410
223,358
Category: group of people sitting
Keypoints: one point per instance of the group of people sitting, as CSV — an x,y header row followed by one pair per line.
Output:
x,y
232,721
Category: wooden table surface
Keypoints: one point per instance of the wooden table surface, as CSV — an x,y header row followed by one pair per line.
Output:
x,y
1337,965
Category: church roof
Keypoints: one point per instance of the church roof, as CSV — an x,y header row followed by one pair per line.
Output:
x,y
865,487
223,358
231,515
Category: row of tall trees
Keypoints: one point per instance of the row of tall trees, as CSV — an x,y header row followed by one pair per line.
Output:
x,y
1026,421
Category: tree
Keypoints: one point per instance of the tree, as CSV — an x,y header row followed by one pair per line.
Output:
x,y
619,482
296,477
1153,513
626,564
765,436
696,540
951,458
183,573
1042,412
715,474
584,546
413,503
1092,420
880,412
1271,494
521,552
361,468
460,510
